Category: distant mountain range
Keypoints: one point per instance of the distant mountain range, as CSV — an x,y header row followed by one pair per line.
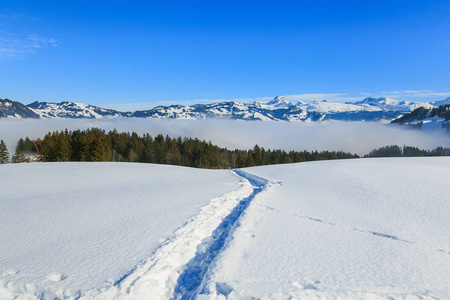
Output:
x,y
279,109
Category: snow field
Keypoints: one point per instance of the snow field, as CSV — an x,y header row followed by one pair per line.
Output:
x,y
353,229
347,229
70,230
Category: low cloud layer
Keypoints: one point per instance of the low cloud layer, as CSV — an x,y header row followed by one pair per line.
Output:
x,y
354,137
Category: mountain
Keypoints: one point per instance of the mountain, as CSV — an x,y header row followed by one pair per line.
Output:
x,y
48,110
436,117
16,110
369,109
278,109
234,110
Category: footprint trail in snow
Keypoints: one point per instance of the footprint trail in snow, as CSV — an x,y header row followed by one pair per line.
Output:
x,y
176,269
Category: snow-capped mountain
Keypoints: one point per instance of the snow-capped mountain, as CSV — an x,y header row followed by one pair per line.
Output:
x,y
279,102
234,110
369,109
435,117
279,109
72,110
16,110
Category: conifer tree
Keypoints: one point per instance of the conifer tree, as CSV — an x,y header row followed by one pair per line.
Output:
x,y
4,154
249,162
18,157
173,156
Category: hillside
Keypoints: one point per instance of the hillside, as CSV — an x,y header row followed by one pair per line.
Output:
x,y
16,110
348,229
424,115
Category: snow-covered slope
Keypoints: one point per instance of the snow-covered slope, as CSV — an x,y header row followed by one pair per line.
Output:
x,y
72,110
69,228
347,229
427,118
354,229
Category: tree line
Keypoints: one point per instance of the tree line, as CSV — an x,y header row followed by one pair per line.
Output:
x,y
97,145
407,151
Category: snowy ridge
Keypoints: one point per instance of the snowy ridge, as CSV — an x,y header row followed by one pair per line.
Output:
x,y
15,110
428,118
278,109
369,109
48,110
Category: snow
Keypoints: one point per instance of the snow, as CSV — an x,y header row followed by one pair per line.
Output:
x,y
353,229
344,229
278,102
334,107
388,104
70,228
441,102
49,110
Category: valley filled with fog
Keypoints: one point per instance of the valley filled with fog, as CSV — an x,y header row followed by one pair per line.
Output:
x,y
354,137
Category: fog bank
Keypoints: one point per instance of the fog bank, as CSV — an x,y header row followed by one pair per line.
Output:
x,y
354,137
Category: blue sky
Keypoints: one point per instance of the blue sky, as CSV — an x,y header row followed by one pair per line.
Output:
x,y
136,54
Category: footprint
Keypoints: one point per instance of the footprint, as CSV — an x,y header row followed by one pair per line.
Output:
x,y
56,277
388,236
223,288
11,272
309,285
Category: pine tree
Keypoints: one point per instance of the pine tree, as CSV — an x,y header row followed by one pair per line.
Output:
x,y
99,149
249,162
257,155
4,154
18,157
173,156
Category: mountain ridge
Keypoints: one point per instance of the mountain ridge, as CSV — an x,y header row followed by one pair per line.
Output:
x,y
278,109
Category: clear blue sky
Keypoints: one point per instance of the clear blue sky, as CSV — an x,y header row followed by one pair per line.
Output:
x,y
148,52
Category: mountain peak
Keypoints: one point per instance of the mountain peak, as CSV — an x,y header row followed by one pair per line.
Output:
x,y
279,101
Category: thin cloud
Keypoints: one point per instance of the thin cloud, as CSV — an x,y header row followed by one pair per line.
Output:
x,y
12,46
338,97
423,94
17,42
406,92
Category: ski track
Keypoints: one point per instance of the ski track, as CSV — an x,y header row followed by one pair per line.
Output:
x,y
177,268
191,278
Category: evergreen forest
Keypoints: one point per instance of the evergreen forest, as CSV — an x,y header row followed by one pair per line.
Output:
x,y
97,145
